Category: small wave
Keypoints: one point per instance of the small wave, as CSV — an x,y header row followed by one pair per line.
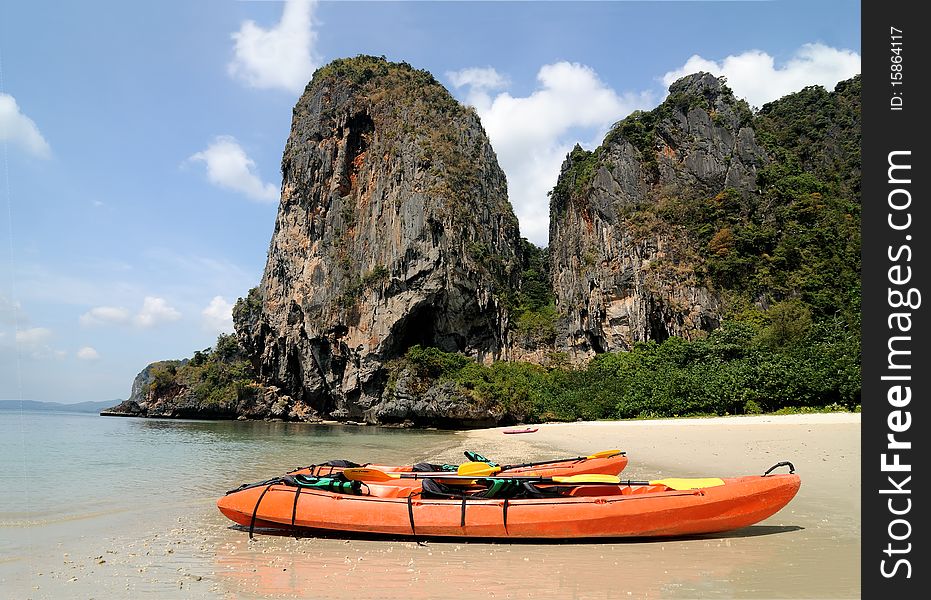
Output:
x,y
41,521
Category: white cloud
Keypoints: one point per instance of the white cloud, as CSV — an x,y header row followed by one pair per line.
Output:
x,y
478,78
218,316
20,130
531,135
105,315
229,167
754,76
155,311
87,353
280,57
34,336
33,342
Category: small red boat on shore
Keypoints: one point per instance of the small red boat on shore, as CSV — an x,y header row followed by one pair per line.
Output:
x,y
524,430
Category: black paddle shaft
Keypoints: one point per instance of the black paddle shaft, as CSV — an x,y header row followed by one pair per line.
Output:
x,y
545,462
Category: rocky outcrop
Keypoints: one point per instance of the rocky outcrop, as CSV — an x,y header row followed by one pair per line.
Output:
x,y
622,274
216,383
412,401
394,229
138,402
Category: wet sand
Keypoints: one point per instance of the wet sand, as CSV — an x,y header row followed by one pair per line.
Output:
x,y
811,549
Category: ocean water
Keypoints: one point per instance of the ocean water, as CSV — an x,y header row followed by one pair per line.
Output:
x,y
75,472
107,507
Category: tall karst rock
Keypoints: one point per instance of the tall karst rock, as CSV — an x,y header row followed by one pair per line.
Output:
x,y
394,229
620,273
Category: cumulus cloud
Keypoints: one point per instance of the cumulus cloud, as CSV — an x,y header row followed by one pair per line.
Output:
x,y
532,134
87,353
218,316
282,56
478,78
154,312
20,130
34,343
105,315
33,336
754,75
229,167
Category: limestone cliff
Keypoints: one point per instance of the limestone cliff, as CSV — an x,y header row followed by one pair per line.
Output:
x,y
393,229
621,275
395,241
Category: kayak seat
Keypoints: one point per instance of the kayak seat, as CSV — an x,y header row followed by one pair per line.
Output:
x,y
491,488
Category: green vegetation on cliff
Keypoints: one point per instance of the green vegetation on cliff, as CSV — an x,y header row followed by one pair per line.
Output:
x,y
799,236
213,378
745,367
533,312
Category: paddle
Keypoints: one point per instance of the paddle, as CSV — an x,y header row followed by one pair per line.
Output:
x,y
480,469
675,483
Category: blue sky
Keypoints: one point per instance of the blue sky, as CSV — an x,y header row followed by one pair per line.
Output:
x,y
141,142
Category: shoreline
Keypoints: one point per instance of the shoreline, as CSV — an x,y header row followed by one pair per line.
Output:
x,y
796,418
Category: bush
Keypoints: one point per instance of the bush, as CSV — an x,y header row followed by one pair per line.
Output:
x,y
735,370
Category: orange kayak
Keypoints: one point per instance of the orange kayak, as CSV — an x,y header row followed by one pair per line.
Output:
x,y
611,462
672,507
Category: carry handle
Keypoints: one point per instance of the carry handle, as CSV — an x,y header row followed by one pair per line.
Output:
x,y
784,463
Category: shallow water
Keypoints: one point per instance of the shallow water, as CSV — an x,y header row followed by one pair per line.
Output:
x,y
69,466
70,475
95,507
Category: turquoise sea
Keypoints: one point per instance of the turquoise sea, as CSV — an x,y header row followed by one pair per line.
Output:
x,y
70,481
58,465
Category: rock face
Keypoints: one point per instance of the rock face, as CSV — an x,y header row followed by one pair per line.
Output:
x,y
137,403
394,229
619,275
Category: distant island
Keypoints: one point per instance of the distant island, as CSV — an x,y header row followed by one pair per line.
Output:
x,y
81,407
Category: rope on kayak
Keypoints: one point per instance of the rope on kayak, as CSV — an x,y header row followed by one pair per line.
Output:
x,y
784,463
462,519
297,494
410,511
504,515
316,469
255,511
246,486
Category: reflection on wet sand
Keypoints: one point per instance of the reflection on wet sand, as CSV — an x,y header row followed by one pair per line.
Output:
x,y
279,566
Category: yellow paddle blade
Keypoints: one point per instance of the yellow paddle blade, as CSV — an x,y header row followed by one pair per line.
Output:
x,y
366,474
477,469
587,478
604,454
681,483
